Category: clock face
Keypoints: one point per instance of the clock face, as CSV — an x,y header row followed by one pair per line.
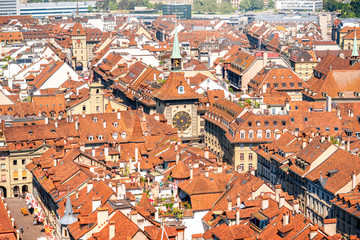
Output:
x,y
182,120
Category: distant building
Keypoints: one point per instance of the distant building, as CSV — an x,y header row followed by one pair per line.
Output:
x,y
181,10
54,8
302,5
10,7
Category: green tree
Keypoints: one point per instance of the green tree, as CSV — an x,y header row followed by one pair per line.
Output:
x,y
244,5
271,4
90,8
225,7
210,6
355,7
256,4
158,6
113,5
198,6
330,5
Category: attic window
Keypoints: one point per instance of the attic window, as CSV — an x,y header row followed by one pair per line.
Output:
x,y
100,137
95,119
115,135
123,135
116,124
90,138
181,90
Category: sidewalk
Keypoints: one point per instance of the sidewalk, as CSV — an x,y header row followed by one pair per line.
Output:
x,y
31,232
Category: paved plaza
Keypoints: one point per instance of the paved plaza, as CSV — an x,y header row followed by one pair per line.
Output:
x,y
31,232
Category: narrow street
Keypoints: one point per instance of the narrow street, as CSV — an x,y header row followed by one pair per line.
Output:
x,y
31,232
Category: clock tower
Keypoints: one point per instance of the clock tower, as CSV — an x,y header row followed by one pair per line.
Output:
x,y
179,104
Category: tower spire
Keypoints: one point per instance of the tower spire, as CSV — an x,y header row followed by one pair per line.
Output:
x,y
68,217
175,55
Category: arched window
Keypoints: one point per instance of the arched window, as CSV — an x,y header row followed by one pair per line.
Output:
x,y
90,138
100,137
95,119
116,124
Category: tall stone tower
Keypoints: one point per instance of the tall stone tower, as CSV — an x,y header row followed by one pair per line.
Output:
x,y
79,49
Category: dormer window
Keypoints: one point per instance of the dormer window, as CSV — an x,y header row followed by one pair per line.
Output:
x,y
91,138
123,135
100,137
324,94
116,124
341,94
95,119
181,90
115,135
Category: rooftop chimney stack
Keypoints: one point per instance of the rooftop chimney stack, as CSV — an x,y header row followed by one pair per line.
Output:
x,y
281,200
285,219
136,154
106,150
313,232
328,104
330,226
96,202
264,203
229,204
206,172
111,229
353,181
237,216
89,186
304,143
93,152
177,156
238,199
206,153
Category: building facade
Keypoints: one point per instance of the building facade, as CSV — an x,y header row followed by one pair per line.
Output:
x,y
10,7
303,5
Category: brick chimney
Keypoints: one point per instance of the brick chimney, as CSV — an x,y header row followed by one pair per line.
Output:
x,y
313,232
330,226
237,216
229,203
89,186
111,229
96,202
102,215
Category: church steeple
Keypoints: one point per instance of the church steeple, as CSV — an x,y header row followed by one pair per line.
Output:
x,y
68,217
175,55
355,52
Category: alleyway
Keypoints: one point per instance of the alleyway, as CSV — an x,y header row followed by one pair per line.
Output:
x,y
31,232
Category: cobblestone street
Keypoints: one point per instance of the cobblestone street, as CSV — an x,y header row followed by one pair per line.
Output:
x,y
31,232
